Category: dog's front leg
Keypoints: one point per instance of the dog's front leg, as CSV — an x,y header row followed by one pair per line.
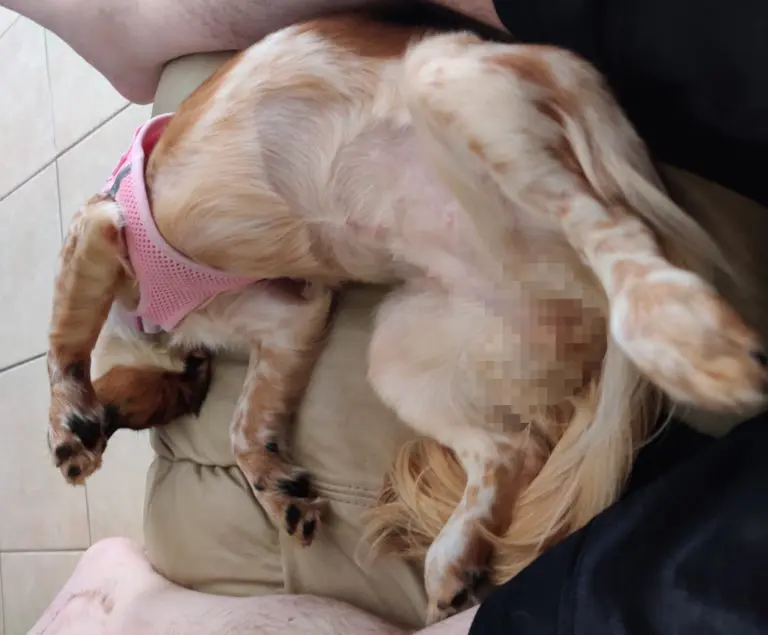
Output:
x,y
278,372
90,271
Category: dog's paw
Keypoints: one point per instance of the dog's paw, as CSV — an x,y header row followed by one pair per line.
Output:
x,y
77,445
456,569
287,495
690,343
292,504
458,591
301,517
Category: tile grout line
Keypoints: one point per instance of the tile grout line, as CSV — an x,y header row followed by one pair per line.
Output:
x,y
3,628
28,179
49,550
58,196
58,155
21,362
53,161
61,218
10,26
91,131
50,88
55,143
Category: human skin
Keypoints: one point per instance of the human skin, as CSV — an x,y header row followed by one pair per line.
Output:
x,y
129,41
115,591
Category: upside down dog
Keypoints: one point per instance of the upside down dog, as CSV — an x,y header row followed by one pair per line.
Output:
x,y
546,284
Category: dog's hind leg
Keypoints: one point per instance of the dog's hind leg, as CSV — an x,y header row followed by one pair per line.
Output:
x,y
438,362
534,125
90,272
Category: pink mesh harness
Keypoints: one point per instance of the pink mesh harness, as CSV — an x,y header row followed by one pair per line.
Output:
x,y
170,285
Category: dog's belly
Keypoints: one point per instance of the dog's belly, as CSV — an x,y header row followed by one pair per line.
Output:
x,y
392,214
549,311
389,200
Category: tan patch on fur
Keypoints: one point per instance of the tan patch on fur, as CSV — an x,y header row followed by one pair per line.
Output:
x,y
564,153
606,223
476,148
147,397
363,37
533,67
557,102
488,475
445,118
528,67
188,113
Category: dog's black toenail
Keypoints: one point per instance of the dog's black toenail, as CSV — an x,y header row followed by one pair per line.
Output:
x,y
272,447
308,528
63,451
258,487
460,599
292,518
73,471
759,356
297,487
89,432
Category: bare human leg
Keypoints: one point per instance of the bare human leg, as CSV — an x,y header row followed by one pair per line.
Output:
x,y
115,590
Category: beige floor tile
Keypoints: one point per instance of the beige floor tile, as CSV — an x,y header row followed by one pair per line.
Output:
x,y
26,126
39,510
84,169
29,245
116,491
82,98
31,582
7,18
